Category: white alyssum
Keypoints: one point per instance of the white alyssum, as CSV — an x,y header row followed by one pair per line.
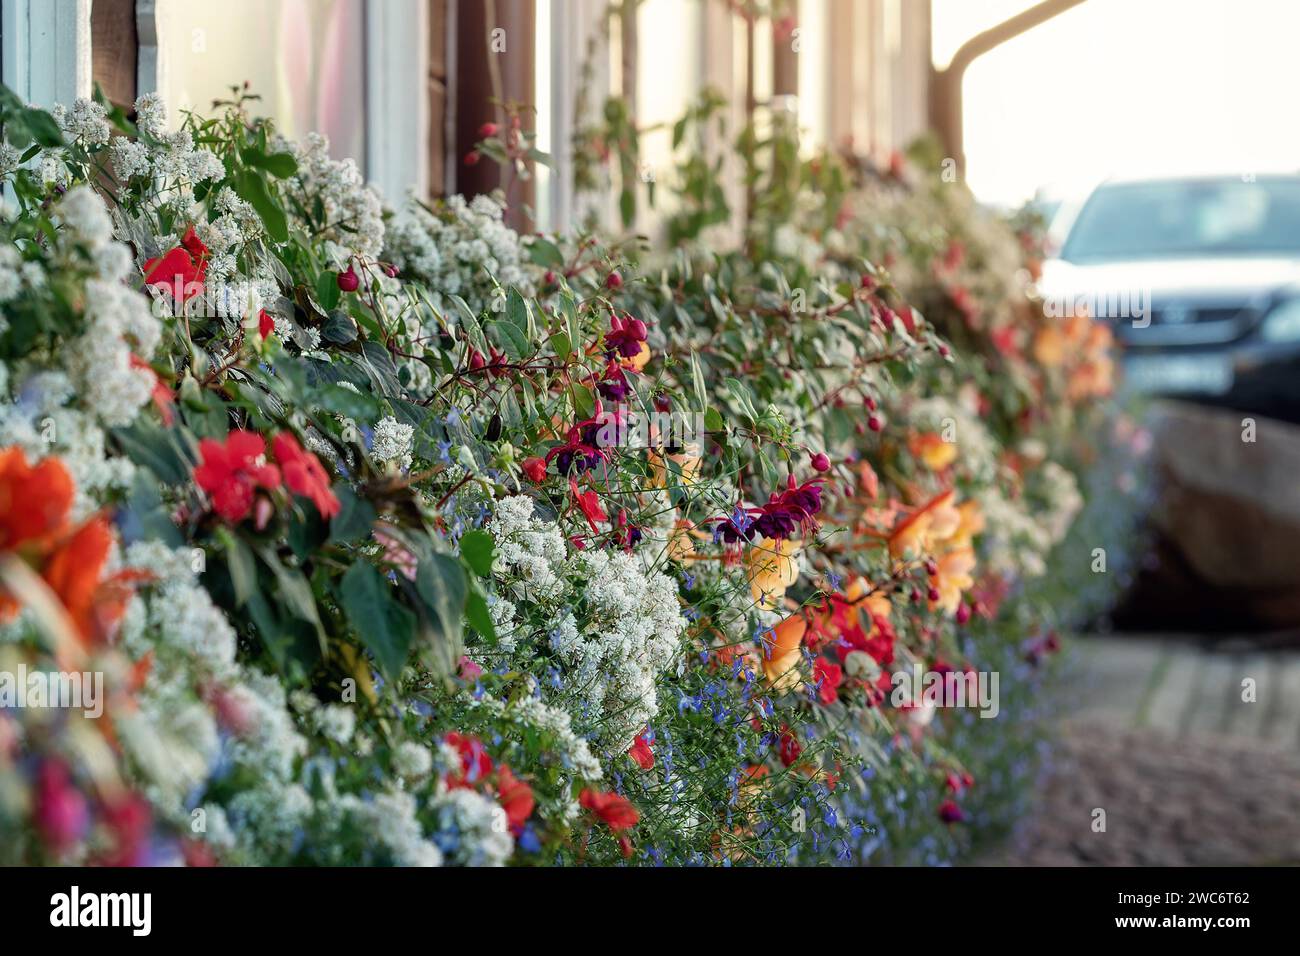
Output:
x,y
632,635
393,442
464,249
530,553
353,213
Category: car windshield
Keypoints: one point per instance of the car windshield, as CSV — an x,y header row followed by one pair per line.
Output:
x,y
1177,219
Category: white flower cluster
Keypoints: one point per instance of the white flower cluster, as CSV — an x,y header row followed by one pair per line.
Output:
x,y
390,819
619,625
531,711
352,210
171,156
471,828
633,635
393,442
119,323
459,249
86,121
1014,541
530,553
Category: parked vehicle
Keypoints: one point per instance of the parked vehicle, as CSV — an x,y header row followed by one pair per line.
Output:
x,y
1200,277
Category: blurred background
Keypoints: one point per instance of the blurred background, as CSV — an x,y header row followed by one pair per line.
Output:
x,y
1145,132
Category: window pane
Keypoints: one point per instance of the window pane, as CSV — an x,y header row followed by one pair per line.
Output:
x,y
305,58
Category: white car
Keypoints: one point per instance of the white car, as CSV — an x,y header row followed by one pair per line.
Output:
x,y
1199,276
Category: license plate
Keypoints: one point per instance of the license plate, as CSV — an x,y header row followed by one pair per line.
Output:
x,y
1208,374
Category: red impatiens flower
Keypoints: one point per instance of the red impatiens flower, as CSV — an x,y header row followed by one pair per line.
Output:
x,y
305,475
535,469
827,677
615,811
265,324
515,797
181,269
232,472
640,751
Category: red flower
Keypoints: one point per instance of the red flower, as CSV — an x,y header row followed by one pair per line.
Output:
x,y
515,797
475,764
788,748
180,269
827,677
616,812
232,472
589,504
305,475
640,751
535,469
265,324
34,501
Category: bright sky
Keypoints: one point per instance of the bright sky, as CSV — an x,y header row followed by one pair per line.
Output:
x,y
1124,86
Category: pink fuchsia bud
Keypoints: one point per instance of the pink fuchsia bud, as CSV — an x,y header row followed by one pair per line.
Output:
x,y
870,403
472,157
263,512
349,281
867,282
488,129
963,612
476,360
933,594
390,270
875,424
820,462
614,281
549,277
60,811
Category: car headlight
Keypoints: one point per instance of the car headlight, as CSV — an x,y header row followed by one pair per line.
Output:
x,y
1282,324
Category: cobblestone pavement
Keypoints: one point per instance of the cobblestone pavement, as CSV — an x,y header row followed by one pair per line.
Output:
x,y
1187,772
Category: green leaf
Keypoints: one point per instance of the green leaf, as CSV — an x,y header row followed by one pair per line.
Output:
x,y
42,127
355,518
279,165
385,627
546,253
252,188
478,617
327,290
477,548
241,565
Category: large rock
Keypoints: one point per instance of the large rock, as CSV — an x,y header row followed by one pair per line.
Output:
x,y
1230,507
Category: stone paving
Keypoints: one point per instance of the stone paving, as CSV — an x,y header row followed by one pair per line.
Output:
x,y
1187,772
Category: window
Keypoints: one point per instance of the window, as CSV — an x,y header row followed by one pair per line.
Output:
x,y
305,59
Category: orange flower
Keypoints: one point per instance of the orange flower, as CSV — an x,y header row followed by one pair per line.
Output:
x,y
934,521
687,463
781,654
954,576
772,569
34,502
73,573
935,453
972,523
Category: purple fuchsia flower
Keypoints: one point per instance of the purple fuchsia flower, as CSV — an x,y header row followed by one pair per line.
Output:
x,y
582,450
613,386
784,514
625,337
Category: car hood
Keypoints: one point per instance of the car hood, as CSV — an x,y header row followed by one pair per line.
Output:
x,y
1237,280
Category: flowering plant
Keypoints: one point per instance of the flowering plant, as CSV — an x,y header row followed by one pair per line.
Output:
x,y
418,541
